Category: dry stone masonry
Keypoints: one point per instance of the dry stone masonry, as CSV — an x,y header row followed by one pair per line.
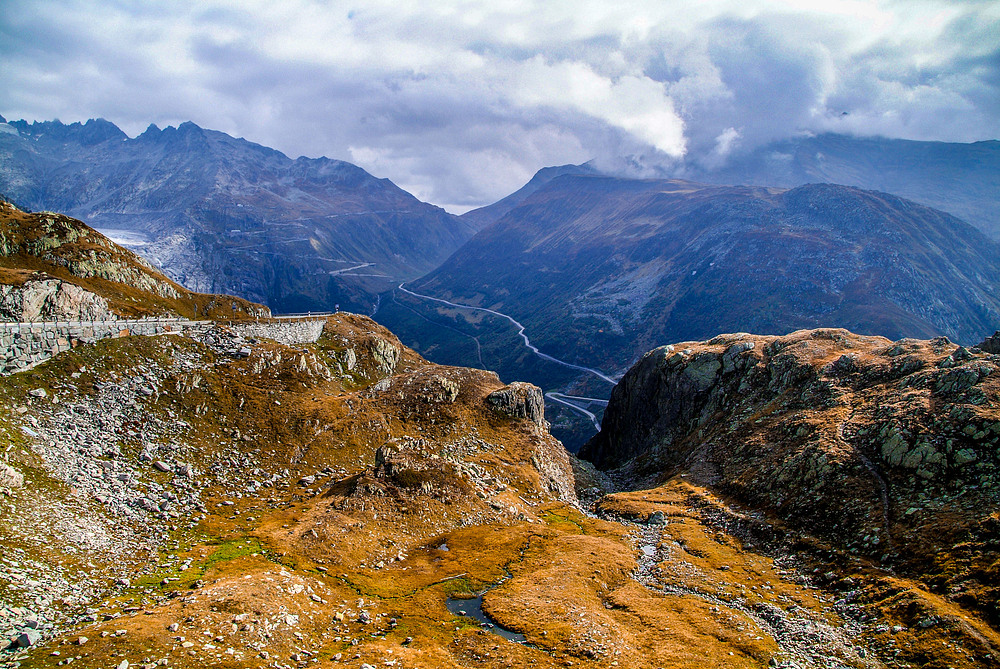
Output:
x,y
284,331
24,345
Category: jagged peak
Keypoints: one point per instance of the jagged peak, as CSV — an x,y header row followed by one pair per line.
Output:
x,y
89,133
189,126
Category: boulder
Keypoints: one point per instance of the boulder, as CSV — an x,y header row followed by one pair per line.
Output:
x,y
519,400
10,477
27,638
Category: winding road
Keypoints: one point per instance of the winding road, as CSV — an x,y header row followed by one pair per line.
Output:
x,y
557,397
563,399
520,331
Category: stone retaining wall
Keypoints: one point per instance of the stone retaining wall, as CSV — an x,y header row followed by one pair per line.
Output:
x,y
24,345
289,332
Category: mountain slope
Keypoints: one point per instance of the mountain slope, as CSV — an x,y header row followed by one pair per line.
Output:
x,y
345,503
600,269
961,179
55,267
226,215
888,450
491,213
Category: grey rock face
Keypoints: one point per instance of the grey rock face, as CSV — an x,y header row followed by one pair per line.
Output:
x,y
386,356
51,299
10,477
519,400
991,344
647,401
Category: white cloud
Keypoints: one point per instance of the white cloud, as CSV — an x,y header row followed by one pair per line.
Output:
x,y
636,104
461,101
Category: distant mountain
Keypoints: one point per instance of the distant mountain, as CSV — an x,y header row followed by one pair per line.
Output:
x,y
491,213
221,214
961,179
602,269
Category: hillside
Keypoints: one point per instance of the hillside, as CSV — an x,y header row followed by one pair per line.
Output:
x,y
491,213
882,451
212,499
220,214
55,267
345,503
601,269
961,179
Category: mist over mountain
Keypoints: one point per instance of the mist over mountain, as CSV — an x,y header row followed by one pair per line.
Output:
x,y
961,179
601,269
221,214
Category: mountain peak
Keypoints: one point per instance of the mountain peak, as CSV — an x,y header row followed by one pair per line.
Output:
x,y
95,131
91,133
484,216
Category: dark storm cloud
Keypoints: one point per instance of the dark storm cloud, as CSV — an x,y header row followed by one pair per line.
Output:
x,y
460,102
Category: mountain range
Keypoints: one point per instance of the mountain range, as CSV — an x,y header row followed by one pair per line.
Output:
x,y
961,179
224,496
220,214
600,269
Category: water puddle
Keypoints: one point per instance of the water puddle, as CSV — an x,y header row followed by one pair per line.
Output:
x,y
473,608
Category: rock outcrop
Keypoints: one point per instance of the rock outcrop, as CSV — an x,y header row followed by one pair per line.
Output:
x,y
885,449
10,477
991,344
519,400
50,300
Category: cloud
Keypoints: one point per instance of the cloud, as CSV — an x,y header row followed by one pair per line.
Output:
x,y
461,101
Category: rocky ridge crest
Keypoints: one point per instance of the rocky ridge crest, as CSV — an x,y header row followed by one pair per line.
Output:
x,y
888,450
53,266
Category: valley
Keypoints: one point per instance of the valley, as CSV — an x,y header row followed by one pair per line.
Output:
x,y
570,435
320,504
553,456
457,334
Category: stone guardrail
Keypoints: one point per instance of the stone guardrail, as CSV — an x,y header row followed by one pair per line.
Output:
x,y
24,345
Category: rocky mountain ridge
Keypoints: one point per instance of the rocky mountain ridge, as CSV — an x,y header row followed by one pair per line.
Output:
x,y
961,179
600,269
220,214
885,450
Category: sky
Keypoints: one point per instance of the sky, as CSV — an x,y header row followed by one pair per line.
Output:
x,y
460,102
